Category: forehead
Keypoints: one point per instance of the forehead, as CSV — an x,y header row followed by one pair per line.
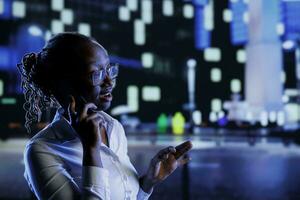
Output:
x,y
94,56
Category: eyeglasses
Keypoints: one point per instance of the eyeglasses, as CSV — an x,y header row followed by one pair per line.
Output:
x,y
97,77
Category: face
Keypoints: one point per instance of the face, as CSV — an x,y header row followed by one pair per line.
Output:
x,y
95,57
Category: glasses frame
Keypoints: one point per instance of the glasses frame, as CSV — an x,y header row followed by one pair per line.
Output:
x,y
106,71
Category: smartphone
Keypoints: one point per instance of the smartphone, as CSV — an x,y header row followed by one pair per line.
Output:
x,y
81,102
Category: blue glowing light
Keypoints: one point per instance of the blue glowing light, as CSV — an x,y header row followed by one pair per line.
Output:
x,y
239,29
7,10
202,36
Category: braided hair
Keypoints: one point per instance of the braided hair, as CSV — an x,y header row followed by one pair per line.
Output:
x,y
36,99
39,71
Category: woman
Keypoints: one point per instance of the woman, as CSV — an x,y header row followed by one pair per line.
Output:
x,y
82,154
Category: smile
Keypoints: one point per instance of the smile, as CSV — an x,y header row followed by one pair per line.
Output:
x,y
106,97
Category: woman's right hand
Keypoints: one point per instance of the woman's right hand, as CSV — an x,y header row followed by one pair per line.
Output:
x,y
87,125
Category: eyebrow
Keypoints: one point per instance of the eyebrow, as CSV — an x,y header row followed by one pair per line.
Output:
x,y
98,66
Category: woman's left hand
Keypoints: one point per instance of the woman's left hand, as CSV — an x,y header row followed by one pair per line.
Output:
x,y
166,161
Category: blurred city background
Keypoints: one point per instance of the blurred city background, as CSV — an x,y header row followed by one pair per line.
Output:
x,y
224,74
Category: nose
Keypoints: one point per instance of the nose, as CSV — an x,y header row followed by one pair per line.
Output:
x,y
107,81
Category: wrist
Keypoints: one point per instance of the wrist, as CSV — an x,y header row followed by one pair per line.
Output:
x,y
91,157
146,184
90,149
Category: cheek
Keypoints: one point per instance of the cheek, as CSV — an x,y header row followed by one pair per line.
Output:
x,y
95,91
92,92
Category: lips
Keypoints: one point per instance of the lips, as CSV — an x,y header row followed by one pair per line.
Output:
x,y
106,95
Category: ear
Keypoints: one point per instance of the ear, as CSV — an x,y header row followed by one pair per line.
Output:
x,y
62,90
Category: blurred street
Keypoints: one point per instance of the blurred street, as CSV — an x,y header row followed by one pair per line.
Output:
x,y
228,170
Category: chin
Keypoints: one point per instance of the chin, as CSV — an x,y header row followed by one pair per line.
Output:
x,y
104,106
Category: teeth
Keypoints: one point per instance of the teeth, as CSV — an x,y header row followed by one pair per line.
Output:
x,y
106,94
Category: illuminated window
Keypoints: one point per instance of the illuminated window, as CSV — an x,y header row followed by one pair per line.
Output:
x,y
285,98
67,16
147,60
133,98
235,85
8,101
291,92
288,44
1,87
216,105
220,114
48,35
280,118
168,7
132,4
292,111
280,28
209,16
282,76
188,11
212,54
57,26
151,93
227,15
139,32
264,118
213,117
35,30
246,17
197,117
124,13
57,5
241,56
18,9
84,29
1,7
215,75
146,11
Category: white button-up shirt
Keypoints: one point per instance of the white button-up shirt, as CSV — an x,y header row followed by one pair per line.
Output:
x,y
53,165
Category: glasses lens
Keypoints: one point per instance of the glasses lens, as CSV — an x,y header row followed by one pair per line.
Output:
x,y
113,70
98,76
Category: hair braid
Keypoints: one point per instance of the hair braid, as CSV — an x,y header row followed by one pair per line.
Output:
x,y
35,99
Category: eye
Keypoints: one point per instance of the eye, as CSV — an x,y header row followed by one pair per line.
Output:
x,y
97,76
113,70
97,73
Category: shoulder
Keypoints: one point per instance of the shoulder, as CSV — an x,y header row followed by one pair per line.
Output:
x,y
38,144
46,133
40,153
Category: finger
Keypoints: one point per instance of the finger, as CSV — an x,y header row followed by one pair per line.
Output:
x,y
183,148
95,116
165,151
185,160
163,154
83,113
97,121
164,157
